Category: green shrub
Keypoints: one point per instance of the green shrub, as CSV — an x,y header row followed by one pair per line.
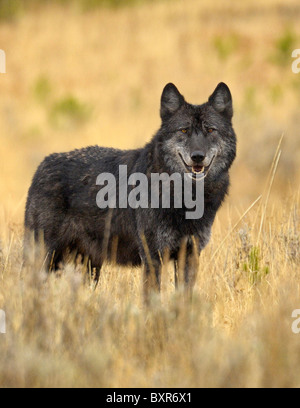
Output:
x,y
254,268
42,89
284,47
69,112
9,9
276,93
250,103
225,46
90,4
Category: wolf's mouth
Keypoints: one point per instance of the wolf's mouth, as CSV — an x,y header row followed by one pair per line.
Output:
x,y
197,171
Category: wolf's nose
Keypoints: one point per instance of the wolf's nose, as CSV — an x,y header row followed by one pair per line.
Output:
x,y
198,156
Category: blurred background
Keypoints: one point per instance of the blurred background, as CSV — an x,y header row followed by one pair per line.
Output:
x,y
85,72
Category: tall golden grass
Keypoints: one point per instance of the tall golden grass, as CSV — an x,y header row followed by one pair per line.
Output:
x,y
237,331
75,79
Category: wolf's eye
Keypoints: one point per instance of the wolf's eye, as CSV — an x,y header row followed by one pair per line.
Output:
x,y
184,130
209,129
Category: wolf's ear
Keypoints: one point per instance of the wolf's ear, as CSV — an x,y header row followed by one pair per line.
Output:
x,y
171,101
221,100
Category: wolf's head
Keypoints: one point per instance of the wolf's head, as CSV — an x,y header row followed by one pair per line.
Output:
x,y
197,139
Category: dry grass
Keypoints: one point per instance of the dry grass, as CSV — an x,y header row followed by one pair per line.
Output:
x,y
75,79
236,332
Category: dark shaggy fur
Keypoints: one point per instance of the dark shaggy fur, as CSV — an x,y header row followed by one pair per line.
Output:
x,y
62,197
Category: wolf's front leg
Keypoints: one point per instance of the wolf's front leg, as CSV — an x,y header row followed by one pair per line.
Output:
x,y
191,272
187,265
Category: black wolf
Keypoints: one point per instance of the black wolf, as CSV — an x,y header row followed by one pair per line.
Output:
x,y
195,139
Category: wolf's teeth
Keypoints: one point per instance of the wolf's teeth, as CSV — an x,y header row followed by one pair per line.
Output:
x,y
198,171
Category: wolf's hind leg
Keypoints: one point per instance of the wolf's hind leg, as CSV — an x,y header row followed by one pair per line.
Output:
x,y
152,279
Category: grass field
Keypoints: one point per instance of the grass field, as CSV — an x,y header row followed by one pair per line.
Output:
x,y
76,78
